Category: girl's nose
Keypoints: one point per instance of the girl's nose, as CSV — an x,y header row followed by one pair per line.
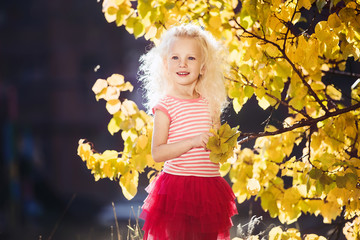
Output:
x,y
183,63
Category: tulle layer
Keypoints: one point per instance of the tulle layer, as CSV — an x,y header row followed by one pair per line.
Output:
x,y
188,208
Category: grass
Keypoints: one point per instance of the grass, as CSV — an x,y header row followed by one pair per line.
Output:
x,y
134,231
248,231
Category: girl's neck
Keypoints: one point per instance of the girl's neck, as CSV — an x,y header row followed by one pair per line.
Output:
x,y
178,93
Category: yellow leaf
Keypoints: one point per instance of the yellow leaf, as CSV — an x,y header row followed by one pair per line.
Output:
x,y
99,85
129,184
115,80
317,85
275,233
268,203
139,123
130,23
304,3
129,134
128,107
292,195
84,150
346,14
144,8
214,144
263,103
126,87
108,170
225,168
282,69
150,32
270,128
215,157
313,237
330,211
113,126
224,147
333,93
101,94
110,16
253,186
112,93
215,21
271,50
334,21
139,29
351,51
123,166
139,162
237,105
113,106
109,155
142,141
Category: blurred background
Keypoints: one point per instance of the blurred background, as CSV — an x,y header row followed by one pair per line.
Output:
x,y
49,53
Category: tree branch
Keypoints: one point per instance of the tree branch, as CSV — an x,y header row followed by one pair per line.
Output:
x,y
348,74
288,28
308,122
296,70
273,97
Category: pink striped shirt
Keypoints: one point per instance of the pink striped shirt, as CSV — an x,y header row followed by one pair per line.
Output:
x,y
188,118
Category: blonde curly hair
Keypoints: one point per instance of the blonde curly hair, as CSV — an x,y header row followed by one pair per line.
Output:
x,y
211,85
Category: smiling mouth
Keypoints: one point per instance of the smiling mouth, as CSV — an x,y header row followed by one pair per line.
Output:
x,y
182,73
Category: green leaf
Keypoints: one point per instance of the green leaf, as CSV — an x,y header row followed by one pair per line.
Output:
x,y
340,181
351,180
144,8
169,5
139,29
315,173
249,91
325,179
320,4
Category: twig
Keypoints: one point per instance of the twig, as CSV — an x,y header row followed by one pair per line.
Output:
x,y
116,222
137,221
348,74
302,123
62,216
296,70
273,97
288,28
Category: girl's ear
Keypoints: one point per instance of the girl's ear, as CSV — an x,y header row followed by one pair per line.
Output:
x,y
203,69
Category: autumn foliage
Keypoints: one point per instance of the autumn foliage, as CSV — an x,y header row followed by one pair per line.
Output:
x,y
279,52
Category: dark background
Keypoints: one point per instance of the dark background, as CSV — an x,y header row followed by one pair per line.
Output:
x,y
48,53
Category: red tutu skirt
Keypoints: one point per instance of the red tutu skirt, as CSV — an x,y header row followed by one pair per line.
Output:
x,y
188,208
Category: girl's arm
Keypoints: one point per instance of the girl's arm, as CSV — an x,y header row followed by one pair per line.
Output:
x,y
161,150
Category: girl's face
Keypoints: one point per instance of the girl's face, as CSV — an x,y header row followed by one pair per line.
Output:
x,y
184,61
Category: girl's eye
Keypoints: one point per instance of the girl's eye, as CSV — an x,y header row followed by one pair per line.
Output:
x,y
174,57
191,58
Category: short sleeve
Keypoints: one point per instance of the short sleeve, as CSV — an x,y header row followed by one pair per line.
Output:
x,y
162,106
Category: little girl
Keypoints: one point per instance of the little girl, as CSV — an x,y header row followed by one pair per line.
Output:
x,y
184,82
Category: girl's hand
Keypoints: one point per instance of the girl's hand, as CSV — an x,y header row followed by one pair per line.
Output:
x,y
201,140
